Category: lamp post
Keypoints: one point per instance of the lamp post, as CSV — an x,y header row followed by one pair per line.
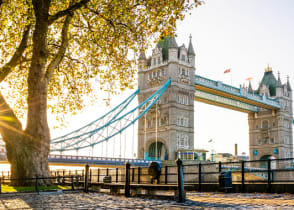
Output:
x,y
211,154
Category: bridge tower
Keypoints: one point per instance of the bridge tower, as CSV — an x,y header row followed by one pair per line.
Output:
x,y
270,131
169,125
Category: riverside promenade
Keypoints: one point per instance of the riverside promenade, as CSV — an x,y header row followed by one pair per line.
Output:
x,y
195,200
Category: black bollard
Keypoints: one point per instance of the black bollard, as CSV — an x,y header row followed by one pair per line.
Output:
x,y
127,180
72,183
116,175
199,177
139,175
86,178
243,176
269,180
181,189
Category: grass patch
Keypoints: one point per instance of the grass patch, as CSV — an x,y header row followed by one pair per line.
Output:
x,y
8,188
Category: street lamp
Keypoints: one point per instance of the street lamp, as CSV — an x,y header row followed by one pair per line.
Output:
x,y
211,154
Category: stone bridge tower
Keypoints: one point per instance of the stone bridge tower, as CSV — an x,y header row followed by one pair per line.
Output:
x,y
169,125
270,132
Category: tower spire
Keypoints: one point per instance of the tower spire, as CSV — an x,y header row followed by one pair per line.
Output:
x,y
279,83
268,68
173,42
142,55
288,84
250,89
190,48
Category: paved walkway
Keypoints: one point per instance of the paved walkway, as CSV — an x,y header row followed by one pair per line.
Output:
x,y
242,200
104,201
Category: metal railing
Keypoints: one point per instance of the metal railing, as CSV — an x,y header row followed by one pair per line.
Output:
x,y
268,172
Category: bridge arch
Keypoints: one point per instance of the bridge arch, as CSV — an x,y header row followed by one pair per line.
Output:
x,y
264,163
161,149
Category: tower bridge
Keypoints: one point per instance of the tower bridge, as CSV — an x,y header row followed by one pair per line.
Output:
x,y
164,118
269,108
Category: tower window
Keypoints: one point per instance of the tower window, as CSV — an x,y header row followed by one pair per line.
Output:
x,y
148,123
182,141
183,121
183,58
183,99
286,124
150,76
158,60
286,140
165,100
265,124
153,122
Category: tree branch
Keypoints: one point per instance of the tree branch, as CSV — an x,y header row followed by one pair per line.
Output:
x,y
102,16
62,49
8,120
7,68
67,11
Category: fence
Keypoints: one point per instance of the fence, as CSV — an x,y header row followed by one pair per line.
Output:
x,y
258,175
245,174
52,183
115,179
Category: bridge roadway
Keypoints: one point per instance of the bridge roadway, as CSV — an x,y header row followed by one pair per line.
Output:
x,y
240,99
72,160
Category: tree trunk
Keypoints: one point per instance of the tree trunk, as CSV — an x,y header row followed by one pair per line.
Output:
x,y
26,156
28,150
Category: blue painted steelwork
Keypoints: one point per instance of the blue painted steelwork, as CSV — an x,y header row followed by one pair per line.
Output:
x,y
73,142
98,160
83,160
219,86
225,101
80,131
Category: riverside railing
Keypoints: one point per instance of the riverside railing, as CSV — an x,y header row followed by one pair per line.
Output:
x,y
36,184
269,172
195,176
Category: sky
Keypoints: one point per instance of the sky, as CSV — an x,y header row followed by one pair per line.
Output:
x,y
244,36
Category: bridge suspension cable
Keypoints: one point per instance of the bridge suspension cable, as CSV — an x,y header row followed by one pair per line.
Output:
x,y
94,133
112,114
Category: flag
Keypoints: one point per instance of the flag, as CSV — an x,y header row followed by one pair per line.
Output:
x,y
249,79
227,71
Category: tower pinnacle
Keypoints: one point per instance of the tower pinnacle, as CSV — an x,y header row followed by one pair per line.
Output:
x,y
190,48
279,83
142,55
288,84
268,68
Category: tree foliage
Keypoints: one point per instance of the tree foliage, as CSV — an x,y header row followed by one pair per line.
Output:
x,y
87,41
52,53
